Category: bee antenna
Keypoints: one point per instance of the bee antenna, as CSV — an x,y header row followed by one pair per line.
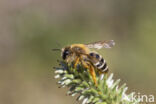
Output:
x,y
56,49
58,44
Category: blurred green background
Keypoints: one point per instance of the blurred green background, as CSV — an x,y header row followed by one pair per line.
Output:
x,y
29,29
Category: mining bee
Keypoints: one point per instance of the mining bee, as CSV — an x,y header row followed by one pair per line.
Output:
x,y
81,53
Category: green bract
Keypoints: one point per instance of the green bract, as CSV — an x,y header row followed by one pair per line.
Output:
x,y
80,82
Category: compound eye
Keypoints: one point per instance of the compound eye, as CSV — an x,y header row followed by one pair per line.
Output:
x,y
65,54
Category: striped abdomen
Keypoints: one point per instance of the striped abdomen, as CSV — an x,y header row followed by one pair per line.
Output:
x,y
99,62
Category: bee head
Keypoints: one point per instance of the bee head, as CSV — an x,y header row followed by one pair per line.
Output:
x,y
65,53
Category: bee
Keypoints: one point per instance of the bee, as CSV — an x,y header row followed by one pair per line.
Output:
x,y
81,53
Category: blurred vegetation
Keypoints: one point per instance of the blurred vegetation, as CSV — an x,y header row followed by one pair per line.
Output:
x,y
30,29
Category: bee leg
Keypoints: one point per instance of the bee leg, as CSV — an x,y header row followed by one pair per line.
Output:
x,y
76,62
92,72
100,72
106,72
85,64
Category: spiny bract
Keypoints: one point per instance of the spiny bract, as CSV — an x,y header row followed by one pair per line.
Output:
x,y
80,82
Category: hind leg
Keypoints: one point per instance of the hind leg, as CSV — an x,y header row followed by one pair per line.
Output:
x,y
91,70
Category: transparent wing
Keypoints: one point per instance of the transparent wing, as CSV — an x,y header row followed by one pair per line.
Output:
x,y
101,44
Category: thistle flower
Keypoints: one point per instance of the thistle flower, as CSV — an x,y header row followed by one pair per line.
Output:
x,y
80,82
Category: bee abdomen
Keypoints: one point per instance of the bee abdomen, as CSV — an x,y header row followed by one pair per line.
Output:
x,y
101,64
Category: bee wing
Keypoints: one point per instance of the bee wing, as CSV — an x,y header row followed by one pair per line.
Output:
x,y
101,44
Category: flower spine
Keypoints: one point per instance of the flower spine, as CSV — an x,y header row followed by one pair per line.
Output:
x,y
80,82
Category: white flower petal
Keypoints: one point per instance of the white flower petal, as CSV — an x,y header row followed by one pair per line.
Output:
x,y
81,97
110,77
59,71
64,78
102,76
125,89
125,97
67,81
109,83
84,101
57,76
73,94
